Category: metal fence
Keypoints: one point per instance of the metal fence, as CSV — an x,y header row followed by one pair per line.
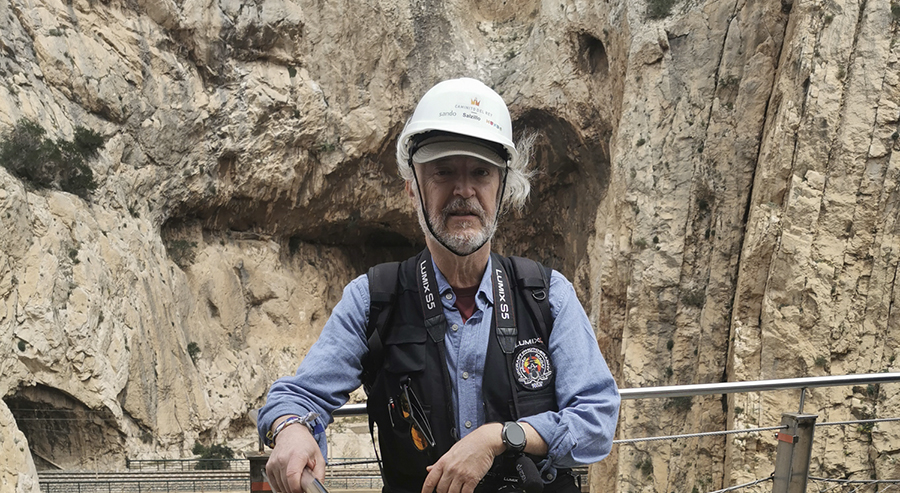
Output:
x,y
773,482
186,464
779,481
146,485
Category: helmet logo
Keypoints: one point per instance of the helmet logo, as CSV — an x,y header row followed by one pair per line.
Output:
x,y
475,107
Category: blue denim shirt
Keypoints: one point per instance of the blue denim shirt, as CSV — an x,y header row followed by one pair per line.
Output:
x,y
581,432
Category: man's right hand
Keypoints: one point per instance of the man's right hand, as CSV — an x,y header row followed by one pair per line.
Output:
x,y
295,450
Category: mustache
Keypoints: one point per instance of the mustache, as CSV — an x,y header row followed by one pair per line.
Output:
x,y
463,206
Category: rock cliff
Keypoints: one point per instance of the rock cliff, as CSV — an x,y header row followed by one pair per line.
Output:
x,y
718,179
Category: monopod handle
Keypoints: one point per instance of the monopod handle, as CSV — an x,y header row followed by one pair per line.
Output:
x,y
310,483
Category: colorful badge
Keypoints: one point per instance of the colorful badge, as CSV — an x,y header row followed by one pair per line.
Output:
x,y
533,369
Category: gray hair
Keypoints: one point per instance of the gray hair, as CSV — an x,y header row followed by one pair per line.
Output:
x,y
518,177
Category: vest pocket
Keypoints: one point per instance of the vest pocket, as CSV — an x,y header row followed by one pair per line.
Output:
x,y
537,401
404,349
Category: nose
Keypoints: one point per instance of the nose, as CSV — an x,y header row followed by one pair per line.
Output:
x,y
464,186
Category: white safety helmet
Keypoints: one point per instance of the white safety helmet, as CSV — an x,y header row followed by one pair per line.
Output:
x,y
465,107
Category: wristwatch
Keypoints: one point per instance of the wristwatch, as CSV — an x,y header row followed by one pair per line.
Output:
x,y
513,436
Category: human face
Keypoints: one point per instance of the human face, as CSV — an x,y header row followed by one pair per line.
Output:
x,y
460,196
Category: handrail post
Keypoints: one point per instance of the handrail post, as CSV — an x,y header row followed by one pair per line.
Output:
x,y
259,483
793,453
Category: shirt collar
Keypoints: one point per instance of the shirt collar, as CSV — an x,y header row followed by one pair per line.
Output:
x,y
485,289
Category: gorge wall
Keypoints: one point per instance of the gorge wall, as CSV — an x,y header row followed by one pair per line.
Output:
x,y
718,179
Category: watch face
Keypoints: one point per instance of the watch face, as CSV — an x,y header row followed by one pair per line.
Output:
x,y
514,435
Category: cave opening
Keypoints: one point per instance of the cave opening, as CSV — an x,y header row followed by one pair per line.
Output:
x,y
593,59
359,209
363,210
63,433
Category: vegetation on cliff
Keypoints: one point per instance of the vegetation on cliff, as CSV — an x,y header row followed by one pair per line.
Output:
x,y
28,153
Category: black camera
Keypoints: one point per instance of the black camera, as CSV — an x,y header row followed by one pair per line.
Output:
x,y
521,476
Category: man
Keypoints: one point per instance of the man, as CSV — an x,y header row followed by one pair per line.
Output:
x,y
463,380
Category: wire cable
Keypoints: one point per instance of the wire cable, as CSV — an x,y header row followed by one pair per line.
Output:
x,y
745,485
858,421
856,481
696,435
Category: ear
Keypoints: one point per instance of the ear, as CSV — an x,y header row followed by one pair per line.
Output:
x,y
410,191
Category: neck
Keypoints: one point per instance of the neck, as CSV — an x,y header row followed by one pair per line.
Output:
x,y
460,272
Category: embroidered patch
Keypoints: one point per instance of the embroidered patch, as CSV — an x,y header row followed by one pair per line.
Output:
x,y
533,368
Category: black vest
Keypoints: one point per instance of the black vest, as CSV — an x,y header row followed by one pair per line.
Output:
x,y
405,353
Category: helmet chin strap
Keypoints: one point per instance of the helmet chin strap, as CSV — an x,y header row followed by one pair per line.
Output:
x,y
428,221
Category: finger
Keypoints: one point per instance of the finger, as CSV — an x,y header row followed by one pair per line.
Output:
x,y
307,479
456,485
293,475
318,467
274,477
282,486
445,483
431,481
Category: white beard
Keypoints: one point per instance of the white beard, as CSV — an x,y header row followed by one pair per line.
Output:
x,y
462,243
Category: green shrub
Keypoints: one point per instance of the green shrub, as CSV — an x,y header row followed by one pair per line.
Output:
x,y
193,350
695,298
682,404
182,252
645,466
73,255
214,457
326,147
866,429
45,163
659,9
872,390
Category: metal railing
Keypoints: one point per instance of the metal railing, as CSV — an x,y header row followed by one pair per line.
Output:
x,y
146,485
719,388
680,391
186,464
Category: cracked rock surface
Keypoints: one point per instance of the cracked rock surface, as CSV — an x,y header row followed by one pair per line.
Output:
x,y
717,179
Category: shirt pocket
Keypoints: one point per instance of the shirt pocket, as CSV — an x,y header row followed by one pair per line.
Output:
x,y
405,349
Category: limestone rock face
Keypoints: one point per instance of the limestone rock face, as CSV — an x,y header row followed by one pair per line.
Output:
x,y
718,180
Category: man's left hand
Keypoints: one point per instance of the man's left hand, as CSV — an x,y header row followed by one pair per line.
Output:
x,y
463,466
